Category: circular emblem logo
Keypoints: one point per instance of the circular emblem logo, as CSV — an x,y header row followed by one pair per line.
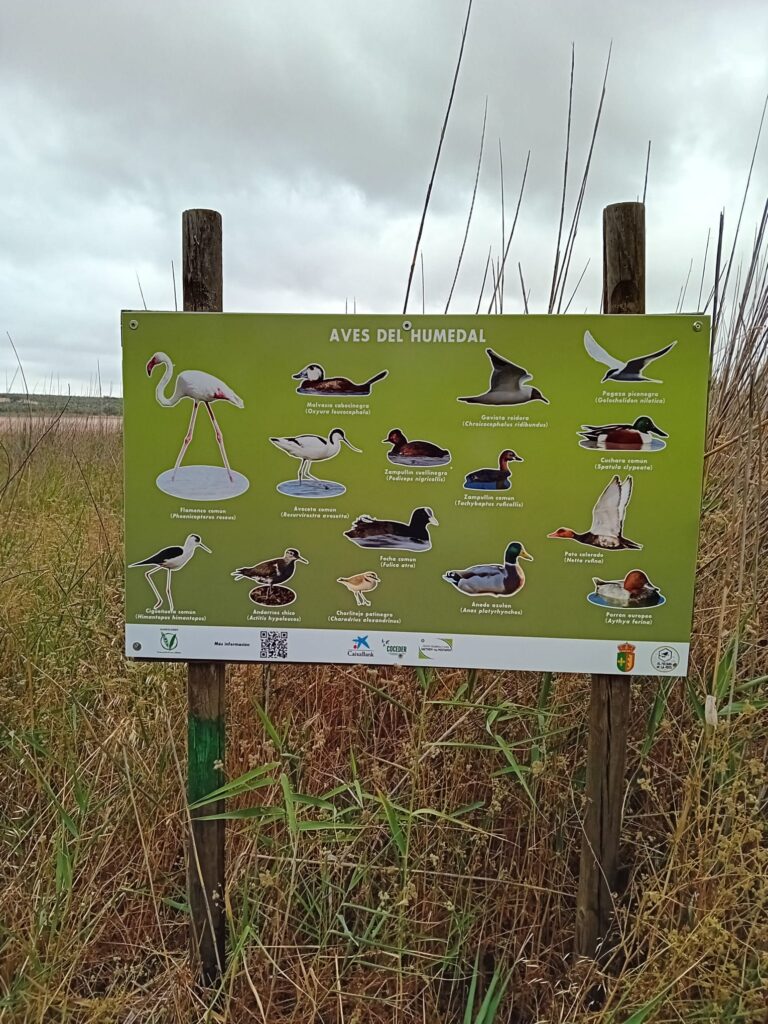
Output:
x,y
665,659
136,645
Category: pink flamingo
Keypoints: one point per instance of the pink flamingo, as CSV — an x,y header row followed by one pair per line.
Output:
x,y
199,387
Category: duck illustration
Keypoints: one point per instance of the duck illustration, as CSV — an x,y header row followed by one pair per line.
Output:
x,y
634,591
402,448
360,585
314,382
630,371
498,478
498,580
272,571
171,559
508,384
312,448
368,532
607,519
622,435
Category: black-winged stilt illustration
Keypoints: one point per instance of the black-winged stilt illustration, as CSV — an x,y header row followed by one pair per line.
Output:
x,y
508,384
268,575
202,482
630,371
309,448
171,559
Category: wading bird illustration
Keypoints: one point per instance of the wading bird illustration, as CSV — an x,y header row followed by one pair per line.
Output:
x,y
360,585
200,388
607,519
631,371
273,571
508,384
171,559
312,448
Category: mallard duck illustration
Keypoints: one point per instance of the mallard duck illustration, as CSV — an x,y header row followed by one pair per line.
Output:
x,y
607,519
631,371
508,384
497,580
402,448
273,571
368,532
310,448
360,585
634,591
171,559
498,478
314,382
630,436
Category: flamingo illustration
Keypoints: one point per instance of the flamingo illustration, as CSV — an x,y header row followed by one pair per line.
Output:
x,y
200,387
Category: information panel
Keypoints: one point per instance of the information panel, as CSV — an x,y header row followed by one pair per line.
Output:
x,y
517,492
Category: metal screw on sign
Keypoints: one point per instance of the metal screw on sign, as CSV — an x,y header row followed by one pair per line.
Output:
x,y
133,324
697,325
407,325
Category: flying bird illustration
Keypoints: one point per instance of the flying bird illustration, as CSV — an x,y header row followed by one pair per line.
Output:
x,y
608,515
631,371
200,388
508,384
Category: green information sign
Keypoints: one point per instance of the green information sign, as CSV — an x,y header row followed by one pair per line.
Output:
x,y
515,492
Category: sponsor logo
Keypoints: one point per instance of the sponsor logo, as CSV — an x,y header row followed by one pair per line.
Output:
x,y
360,648
169,641
625,657
436,645
395,650
665,659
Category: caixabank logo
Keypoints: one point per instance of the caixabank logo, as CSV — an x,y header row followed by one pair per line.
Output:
x,y
361,648
432,646
625,657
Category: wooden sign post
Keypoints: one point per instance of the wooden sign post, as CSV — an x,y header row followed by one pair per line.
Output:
x,y
623,292
203,293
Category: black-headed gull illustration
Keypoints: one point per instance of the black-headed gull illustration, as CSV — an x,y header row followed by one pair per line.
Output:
x,y
508,384
629,371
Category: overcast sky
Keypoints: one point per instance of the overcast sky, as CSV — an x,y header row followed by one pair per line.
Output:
x,y
312,127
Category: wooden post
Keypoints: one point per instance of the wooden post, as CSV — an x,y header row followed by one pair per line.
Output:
x,y
623,292
203,293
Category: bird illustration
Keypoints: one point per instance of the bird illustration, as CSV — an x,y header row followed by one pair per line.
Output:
x,y
171,559
368,532
272,571
312,448
634,591
508,384
607,519
497,580
199,387
402,448
360,585
494,478
630,371
314,382
622,436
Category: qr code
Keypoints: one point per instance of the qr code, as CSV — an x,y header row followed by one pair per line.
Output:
x,y
274,643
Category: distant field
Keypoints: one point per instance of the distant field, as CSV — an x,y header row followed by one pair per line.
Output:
x,y
15,404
